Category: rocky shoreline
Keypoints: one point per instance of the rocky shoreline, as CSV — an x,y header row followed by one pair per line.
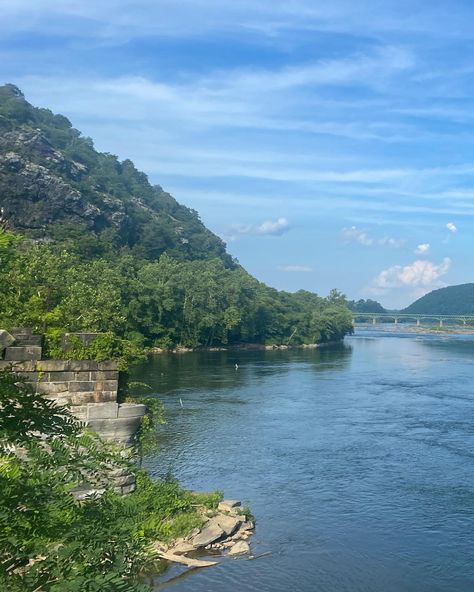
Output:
x,y
243,347
225,531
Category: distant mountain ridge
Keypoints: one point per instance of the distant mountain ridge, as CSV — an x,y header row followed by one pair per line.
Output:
x,y
52,181
453,300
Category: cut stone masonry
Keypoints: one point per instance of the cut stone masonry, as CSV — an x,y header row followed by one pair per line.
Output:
x,y
88,388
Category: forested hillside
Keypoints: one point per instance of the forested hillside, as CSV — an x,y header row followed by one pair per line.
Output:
x,y
86,243
365,306
453,300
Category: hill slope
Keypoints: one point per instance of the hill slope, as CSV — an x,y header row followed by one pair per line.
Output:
x,y
453,300
107,252
53,181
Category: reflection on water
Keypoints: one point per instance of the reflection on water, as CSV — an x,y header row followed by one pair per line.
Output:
x,y
357,461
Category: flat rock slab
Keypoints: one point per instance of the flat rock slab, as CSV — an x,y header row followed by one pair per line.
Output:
x,y
228,505
240,548
186,560
182,548
229,524
210,533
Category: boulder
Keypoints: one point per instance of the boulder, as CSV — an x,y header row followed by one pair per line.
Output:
x,y
5,339
228,524
228,505
210,533
240,548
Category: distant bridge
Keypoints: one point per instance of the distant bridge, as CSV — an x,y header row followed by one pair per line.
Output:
x,y
374,318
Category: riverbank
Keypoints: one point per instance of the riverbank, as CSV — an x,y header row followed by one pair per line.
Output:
x,y
244,347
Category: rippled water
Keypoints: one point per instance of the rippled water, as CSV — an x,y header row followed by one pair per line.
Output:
x,y
357,461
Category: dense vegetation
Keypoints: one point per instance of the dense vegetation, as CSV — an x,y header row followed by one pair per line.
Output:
x,y
365,306
49,541
105,251
453,300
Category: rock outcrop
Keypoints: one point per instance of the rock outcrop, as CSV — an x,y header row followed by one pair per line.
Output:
x,y
54,184
225,530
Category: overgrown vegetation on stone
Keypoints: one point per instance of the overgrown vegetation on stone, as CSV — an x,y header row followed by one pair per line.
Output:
x,y
51,541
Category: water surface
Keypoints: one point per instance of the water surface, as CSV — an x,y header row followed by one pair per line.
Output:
x,y
357,461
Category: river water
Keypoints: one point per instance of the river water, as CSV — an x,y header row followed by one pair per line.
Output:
x,y
357,461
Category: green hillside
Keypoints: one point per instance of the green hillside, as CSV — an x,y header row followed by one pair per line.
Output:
x,y
453,300
54,184
87,244
363,306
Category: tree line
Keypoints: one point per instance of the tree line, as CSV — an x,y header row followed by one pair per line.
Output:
x,y
68,286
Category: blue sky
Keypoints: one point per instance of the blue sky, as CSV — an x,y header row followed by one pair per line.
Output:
x,y
330,143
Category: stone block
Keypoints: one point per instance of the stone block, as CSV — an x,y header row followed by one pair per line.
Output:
x,y
107,365
131,410
6,339
127,489
79,410
27,339
29,366
53,365
124,480
82,365
22,331
80,386
102,411
84,375
81,398
104,375
121,430
60,376
27,352
106,385
51,387
108,396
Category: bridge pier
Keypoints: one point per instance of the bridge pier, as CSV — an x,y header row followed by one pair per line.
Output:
x,y
440,322
418,322
374,321
396,321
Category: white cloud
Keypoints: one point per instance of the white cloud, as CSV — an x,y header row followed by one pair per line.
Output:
x,y
420,273
422,249
295,268
267,228
354,234
451,227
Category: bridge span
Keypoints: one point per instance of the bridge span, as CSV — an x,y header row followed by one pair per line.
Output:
x,y
395,317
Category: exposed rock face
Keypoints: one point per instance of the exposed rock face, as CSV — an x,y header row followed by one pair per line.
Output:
x,y
54,184
37,197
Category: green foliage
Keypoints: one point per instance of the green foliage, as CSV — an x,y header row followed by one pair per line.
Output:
x,y
162,303
209,500
453,300
106,346
148,432
49,541
365,306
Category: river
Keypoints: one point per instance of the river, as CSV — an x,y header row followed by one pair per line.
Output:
x,y
356,460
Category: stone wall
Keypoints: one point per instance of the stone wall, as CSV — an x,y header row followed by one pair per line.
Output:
x,y
88,388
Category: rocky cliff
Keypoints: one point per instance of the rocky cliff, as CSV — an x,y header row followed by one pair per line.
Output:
x,y
52,181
